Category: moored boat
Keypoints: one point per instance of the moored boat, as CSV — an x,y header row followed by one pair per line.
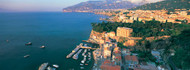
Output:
x,y
55,65
42,46
29,43
26,56
43,66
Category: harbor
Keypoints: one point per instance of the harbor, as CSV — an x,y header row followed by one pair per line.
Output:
x,y
77,51
85,52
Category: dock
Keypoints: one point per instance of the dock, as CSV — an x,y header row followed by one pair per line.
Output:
x,y
73,52
88,48
76,55
77,48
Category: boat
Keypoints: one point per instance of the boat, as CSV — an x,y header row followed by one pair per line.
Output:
x,y
26,56
55,65
42,46
82,61
43,66
29,43
86,64
85,45
49,68
81,64
81,67
89,58
85,56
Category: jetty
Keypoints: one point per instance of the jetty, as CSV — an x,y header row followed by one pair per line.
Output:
x,y
74,51
76,55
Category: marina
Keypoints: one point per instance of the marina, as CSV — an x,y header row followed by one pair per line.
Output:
x,y
79,47
76,55
74,51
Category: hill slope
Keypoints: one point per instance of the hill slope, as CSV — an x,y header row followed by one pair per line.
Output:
x,y
167,4
91,5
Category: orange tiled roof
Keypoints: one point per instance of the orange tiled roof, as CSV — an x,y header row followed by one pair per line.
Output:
x,y
132,58
108,67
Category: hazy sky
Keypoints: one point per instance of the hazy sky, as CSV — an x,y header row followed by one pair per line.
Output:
x,y
37,5
42,5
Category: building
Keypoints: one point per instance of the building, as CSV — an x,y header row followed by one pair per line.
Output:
x,y
124,31
108,65
156,54
131,61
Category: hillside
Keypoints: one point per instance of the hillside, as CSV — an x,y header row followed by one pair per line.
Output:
x,y
91,5
167,4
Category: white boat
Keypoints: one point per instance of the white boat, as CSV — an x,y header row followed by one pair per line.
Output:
x,y
82,61
29,43
55,65
85,50
81,64
49,68
43,66
42,46
26,56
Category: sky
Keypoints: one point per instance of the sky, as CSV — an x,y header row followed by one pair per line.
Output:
x,y
42,5
36,5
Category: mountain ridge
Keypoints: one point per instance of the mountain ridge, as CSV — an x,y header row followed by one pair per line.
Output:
x,y
92,5
167,5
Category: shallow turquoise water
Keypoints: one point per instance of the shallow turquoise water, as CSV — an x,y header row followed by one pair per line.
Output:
x,y
59,32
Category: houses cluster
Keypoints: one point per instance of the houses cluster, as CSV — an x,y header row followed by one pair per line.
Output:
x,y
129,16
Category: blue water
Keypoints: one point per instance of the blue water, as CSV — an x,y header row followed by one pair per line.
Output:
x,y
59,32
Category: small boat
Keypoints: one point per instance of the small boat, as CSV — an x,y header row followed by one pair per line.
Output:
x,y
42,46
82,61
85,56
26,56
81,67
81,64
43,66
49,68
55,65
86,64
89,58
29,43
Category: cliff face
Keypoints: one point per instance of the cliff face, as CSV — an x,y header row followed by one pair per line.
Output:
x,y
96,37
100,38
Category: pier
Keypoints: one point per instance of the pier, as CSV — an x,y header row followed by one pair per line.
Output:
x,y
74,51
76,55
88,48
77,48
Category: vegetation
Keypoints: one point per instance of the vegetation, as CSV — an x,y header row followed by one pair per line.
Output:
x,y
170,5
149,29
180,45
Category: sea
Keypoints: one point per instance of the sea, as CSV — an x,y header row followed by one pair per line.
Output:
x,y
59,32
